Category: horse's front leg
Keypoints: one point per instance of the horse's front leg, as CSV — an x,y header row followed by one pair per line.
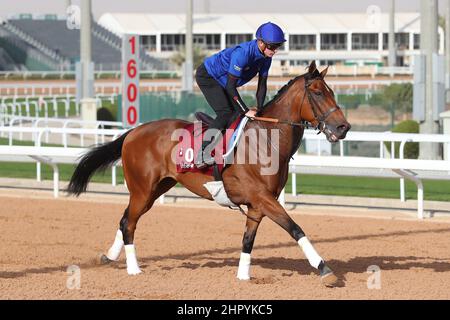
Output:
x,y
269,206
253,219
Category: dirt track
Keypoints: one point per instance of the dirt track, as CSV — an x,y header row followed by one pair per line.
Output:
x,y
192,253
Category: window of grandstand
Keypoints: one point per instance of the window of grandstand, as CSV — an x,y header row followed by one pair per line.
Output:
x,y
50,17
294,63
148,43
235,39
365,41
333,41
328,62
207,41
416,41
172,42
25,16
302,42
401,41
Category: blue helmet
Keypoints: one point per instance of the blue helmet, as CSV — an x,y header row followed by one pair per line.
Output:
x,y
270,33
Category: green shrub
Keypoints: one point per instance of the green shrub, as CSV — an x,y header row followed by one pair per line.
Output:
x,y
411,150
104,114
398,96
351,101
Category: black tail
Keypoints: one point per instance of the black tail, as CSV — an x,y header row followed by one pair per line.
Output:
x,y
99,158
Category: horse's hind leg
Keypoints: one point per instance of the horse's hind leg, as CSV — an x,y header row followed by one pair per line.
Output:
x,y
253,219
139,204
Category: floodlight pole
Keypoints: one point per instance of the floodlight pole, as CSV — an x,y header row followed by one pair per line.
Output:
x,y
85,45
88,103
391,38
447,51
189,61
429,47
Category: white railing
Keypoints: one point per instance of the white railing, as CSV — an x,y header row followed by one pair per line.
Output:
x,y
38,133
115,87
64,74
101,87
33,106
402,167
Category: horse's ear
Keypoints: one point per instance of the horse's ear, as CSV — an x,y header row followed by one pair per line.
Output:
x,y
324,72
312,67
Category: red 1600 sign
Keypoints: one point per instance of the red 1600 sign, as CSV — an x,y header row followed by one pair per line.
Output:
x,y
130,80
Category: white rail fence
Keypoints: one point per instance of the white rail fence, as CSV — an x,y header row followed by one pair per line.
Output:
x,y
403,167
411,169
115,87
101,88
17,122
37,106
50,155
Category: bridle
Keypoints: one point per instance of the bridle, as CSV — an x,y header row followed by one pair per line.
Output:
x,y
318,119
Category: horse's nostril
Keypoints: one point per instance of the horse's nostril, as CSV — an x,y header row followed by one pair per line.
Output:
x,y
343,128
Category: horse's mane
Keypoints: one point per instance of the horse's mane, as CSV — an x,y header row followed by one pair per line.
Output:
x,y
279,94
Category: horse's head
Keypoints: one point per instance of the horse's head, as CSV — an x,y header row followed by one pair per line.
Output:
x,y
320,107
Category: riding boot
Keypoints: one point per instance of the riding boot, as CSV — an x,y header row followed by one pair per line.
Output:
x,y
204,157
198,161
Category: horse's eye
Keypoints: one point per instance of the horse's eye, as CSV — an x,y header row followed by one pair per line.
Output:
x,y
318,93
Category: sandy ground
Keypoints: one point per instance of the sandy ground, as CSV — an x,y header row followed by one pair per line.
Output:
x,y
191,252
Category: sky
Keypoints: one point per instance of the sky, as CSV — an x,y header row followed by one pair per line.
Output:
x,y
212,6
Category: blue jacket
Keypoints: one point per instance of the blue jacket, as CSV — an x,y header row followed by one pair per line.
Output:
x,y
243,61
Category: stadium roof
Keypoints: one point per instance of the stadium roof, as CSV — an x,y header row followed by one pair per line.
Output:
x,y
312,23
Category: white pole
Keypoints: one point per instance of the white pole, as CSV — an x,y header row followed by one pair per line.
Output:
x,y
85,45
429,46
447,51
294,184
189,63
391,38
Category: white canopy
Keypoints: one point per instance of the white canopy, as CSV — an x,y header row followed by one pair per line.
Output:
x,y
313,23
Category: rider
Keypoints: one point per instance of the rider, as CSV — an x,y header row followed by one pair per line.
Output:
x,y
219,76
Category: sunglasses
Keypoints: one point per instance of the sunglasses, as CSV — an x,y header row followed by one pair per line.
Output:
x,y
273,46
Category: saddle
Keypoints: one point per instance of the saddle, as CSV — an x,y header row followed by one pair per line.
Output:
x,y
191,141
203,117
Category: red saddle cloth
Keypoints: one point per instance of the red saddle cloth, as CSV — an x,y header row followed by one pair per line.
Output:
x,y
190,142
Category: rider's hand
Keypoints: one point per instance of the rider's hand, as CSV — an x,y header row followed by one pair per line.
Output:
x,y
251,113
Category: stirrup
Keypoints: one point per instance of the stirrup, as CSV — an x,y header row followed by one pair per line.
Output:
x,y
202,162
209,160
198,161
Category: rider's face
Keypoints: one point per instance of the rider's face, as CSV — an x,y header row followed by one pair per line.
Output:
x,y
269,50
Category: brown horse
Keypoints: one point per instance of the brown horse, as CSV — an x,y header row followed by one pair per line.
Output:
x,y
150,171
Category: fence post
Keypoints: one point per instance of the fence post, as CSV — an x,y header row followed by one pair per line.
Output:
x,y
445,116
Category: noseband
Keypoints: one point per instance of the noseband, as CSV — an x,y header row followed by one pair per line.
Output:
x,y
319,119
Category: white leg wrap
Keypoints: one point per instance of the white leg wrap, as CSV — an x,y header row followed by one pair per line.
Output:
x,y
244,267
132,264
310,253
116,248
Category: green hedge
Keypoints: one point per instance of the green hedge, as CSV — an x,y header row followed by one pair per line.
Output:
x,y
411,150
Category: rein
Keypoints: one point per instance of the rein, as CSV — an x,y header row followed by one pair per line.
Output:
x,y
291,123
321,126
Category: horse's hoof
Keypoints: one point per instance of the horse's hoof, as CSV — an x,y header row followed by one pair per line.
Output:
x,y
327,276
134,272
105,260
329,280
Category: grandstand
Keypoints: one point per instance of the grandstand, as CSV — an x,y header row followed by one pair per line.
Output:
x,y
329,38
47,44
